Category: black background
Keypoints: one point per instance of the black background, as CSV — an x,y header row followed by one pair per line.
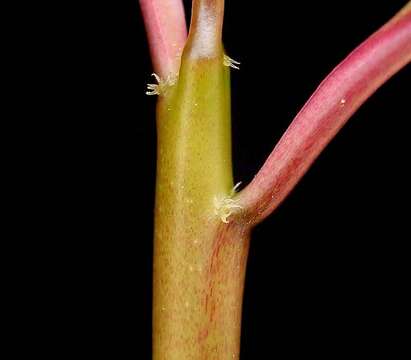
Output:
x,y
326,275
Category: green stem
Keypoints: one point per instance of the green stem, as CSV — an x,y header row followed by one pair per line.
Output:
x,y
199,261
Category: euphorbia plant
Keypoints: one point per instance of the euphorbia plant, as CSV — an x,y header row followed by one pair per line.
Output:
x,y
202,224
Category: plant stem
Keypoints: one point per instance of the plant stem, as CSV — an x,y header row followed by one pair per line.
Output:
x,y
167,32
199,261
208,16
328,109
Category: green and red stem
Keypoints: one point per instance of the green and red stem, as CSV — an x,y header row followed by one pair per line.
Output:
x,y
199,260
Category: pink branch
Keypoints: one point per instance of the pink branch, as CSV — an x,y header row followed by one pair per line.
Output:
x,y
328,109
166,31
